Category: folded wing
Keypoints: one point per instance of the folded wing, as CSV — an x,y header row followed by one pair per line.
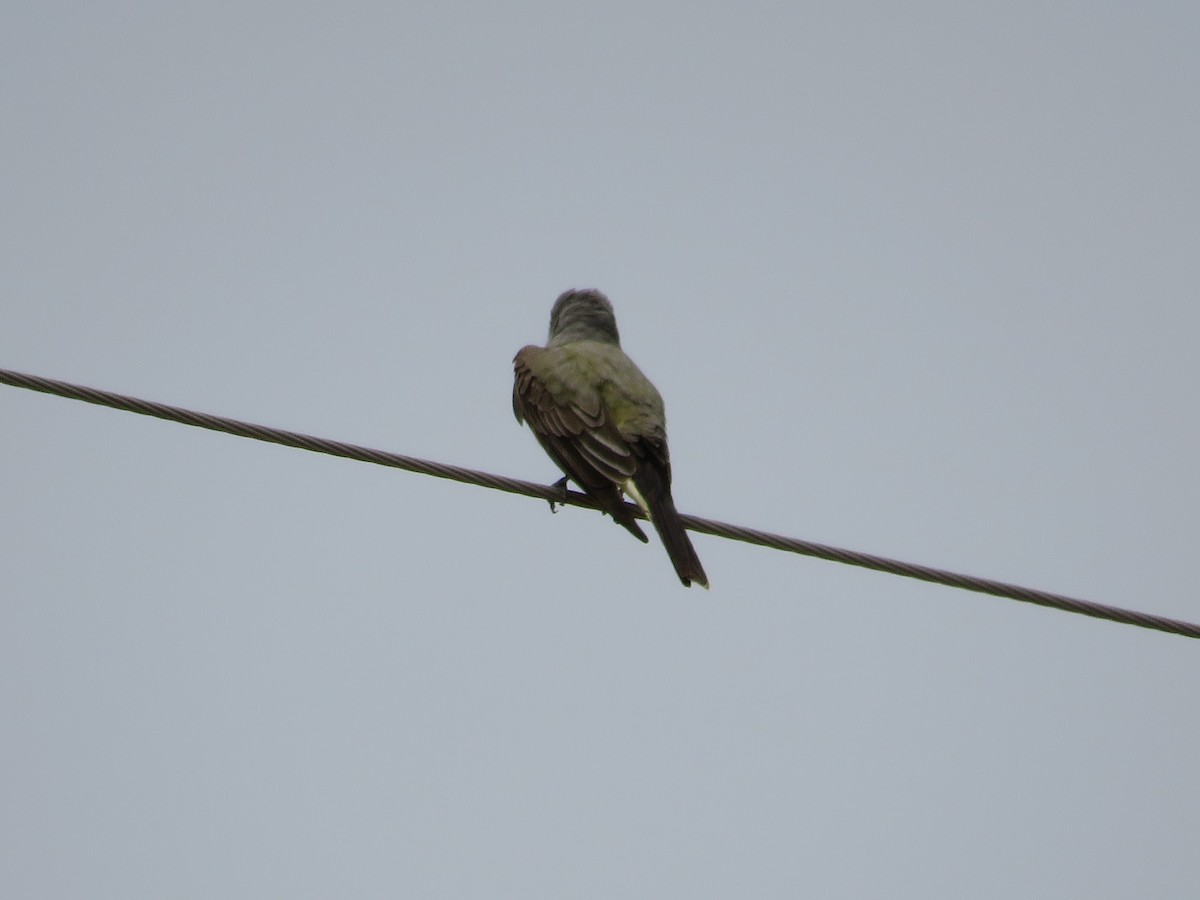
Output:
x,y
578,435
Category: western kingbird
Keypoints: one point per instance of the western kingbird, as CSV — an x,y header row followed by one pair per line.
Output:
x,y
601,420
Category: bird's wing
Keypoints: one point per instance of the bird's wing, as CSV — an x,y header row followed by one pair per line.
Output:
x,y
571,423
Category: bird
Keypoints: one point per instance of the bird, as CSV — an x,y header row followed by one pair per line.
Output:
x,y
602,421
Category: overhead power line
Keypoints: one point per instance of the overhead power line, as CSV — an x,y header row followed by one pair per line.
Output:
x,y
557,495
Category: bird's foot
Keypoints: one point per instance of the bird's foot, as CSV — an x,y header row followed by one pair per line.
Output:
x,y
560,485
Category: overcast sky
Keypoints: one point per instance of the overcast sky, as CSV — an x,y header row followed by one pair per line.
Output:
x,y
915,279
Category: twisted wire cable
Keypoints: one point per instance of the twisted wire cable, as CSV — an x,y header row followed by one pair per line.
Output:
x,y
555,494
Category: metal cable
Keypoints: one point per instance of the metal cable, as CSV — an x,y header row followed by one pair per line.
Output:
x,y
573,498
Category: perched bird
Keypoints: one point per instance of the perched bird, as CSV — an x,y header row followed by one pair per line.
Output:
x,y
601,420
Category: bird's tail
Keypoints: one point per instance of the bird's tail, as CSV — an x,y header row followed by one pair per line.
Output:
x,y
654,493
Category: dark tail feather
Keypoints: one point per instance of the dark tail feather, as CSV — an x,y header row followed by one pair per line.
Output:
x,y
657,495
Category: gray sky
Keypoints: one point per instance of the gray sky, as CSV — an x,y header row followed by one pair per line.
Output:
x,y
914,279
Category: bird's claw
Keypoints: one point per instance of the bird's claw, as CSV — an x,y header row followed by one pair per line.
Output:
x,y
560,485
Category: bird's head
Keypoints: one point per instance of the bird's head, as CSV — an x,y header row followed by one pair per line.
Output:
x,y
583,316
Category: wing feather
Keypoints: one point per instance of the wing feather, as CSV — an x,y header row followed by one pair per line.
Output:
x,y
579,436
